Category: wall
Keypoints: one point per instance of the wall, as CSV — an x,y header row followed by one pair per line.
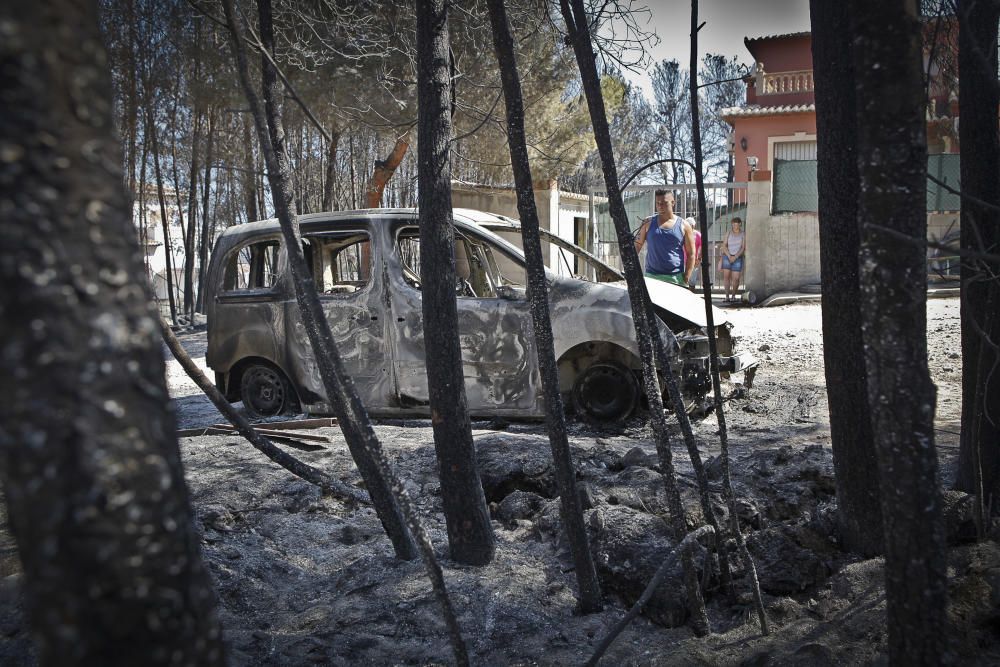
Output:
x,y
782,55
788,54
782,250
940,225
757,130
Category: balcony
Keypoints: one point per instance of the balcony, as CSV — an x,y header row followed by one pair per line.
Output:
x,y
785,83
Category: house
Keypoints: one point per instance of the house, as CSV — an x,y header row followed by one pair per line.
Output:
x,y
774,145
778,120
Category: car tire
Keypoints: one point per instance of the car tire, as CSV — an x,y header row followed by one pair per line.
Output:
x,y
605,392
266,392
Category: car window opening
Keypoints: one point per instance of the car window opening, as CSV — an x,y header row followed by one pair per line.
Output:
x,y
252,267
477,271
340,263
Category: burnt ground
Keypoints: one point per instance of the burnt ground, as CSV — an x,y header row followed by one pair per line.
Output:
x,y
303,578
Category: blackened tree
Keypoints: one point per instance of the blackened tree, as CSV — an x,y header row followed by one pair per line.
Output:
x,y
470,533
979,454
577,26
358,432
88,453
858,511
388,495
891,161
538,297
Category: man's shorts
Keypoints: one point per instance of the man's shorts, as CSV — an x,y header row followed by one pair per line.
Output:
x,y
736,266
675,278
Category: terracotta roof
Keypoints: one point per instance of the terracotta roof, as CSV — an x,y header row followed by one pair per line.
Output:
x,y
751,40
755,110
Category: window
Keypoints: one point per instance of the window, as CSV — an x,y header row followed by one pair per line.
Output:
x,y
479,269
252,267
341,262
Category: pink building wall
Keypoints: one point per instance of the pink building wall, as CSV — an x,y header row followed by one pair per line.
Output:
x,y
757,129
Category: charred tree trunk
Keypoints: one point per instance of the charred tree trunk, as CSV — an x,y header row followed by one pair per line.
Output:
x,y
143,219
330,182
358,432
891,159
713,356
250,183
577,25
858,510
273,92
131,100
979,455
538,297
168,260
470,533
93,482
391,501
179,201
192,202
206,191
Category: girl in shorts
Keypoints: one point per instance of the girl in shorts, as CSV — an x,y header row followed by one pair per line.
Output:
x,y
734,245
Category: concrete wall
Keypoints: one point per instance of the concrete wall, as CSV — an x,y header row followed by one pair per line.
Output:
x,y
782,250
940,225
782,54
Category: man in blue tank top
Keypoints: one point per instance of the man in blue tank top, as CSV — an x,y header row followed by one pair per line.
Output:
x,y
666,235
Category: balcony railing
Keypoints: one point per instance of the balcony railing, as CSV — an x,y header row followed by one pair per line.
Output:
x,y
784,83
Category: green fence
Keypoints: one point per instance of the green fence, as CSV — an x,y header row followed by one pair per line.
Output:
x,y
945,168
794,186
795,181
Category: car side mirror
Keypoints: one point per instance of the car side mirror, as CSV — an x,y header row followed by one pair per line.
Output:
x,y
511,293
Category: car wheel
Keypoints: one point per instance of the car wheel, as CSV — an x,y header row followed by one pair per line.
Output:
x,y
605,392
265,391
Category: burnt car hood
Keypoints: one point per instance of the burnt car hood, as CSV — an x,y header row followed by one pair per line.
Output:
x,y
682,302
679,301
685,305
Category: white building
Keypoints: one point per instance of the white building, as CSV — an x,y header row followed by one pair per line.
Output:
x,y
148,223
565,214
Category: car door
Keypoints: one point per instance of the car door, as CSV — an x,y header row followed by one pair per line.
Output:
x,y
494,327
341,259
247,312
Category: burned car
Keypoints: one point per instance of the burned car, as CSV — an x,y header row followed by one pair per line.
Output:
x,y
366,266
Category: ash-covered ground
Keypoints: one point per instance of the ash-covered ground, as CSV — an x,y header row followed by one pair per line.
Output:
x,y
303,578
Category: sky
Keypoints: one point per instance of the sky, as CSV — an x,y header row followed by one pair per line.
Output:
x,y
727,22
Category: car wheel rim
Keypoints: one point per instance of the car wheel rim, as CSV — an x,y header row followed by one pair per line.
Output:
x,y
607,392
264,393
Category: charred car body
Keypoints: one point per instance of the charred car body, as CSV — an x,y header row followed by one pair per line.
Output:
x,y
366,265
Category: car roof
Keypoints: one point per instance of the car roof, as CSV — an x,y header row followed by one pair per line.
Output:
x,y
462,216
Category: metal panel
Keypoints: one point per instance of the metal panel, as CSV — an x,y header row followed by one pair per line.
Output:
x,y
795,150
945,168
